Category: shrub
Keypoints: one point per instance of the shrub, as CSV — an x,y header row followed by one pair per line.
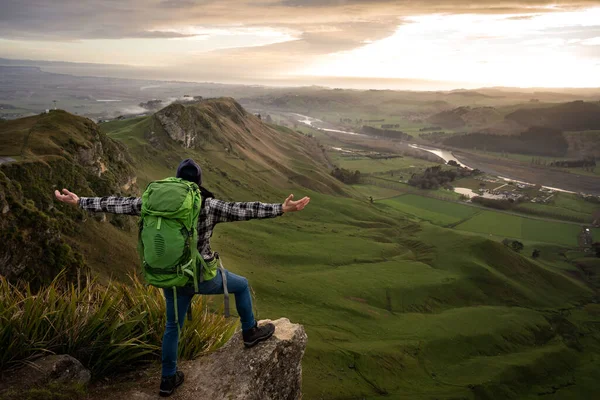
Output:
x,y
346,176
108,328
434,177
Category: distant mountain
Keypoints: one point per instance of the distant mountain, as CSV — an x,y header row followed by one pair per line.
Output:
x,y
541,141
467,117
573,116
468,93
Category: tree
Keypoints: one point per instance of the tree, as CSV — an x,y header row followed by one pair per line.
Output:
x,y
596,248
346,176
516,246
535,254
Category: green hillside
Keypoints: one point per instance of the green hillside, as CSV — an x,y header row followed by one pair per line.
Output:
x,y
393,307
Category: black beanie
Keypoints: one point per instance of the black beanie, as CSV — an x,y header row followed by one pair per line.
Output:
x,y
190,171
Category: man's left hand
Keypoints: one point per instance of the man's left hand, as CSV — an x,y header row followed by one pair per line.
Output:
x,y
289,205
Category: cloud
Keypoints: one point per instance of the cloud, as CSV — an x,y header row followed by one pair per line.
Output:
x,y
521,17
237,39
159,34
104,19
591,41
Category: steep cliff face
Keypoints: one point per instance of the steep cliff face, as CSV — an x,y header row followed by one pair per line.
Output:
x,y
53,151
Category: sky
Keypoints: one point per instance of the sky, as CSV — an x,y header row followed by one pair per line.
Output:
x,y
344,43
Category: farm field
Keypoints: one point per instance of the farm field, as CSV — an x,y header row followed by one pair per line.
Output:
x,y
436,211
574,203
473,184
390,182
510,226
376,192
499,225
367,165
551,210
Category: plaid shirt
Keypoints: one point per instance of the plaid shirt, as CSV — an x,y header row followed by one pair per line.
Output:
x,y
213,212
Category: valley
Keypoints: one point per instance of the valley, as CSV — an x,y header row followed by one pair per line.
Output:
x,y
404,292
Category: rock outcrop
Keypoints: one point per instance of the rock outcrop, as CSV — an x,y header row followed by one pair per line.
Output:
x,y
55,369
270,370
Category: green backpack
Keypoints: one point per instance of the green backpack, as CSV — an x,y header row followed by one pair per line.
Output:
x,y
168,236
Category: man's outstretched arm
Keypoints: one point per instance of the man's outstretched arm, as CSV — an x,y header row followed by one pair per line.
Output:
x,y
111,204
222,211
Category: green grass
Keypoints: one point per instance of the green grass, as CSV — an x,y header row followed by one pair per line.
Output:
x,y
511,226
574,203
391,182
559,212
436,211
108,328
368,165
384,309
394,308
130,131
473,184
366,191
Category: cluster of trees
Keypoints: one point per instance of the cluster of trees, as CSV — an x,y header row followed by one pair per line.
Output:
x,y
357,121
493,203
516,246
370,130
430,128
390,126
379,156
435,177
345,175
433,136
596,248
586,163
535,140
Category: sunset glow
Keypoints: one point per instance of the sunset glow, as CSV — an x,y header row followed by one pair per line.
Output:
x,y
542,50
491,43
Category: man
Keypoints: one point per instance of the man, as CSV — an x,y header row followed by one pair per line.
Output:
x,y
212,212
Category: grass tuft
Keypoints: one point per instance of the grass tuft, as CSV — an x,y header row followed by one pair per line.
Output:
x,y
108,327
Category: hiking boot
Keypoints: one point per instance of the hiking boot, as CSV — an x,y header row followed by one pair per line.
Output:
x,y
257,334
169,383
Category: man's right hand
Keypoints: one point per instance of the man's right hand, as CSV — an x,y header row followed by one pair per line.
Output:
x,y
67,197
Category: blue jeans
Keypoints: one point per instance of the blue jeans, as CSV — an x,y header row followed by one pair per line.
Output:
x,y
238,285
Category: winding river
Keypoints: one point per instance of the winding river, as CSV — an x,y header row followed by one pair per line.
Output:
x,y
443,154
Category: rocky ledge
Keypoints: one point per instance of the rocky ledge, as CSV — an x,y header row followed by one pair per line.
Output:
x,y
270,370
